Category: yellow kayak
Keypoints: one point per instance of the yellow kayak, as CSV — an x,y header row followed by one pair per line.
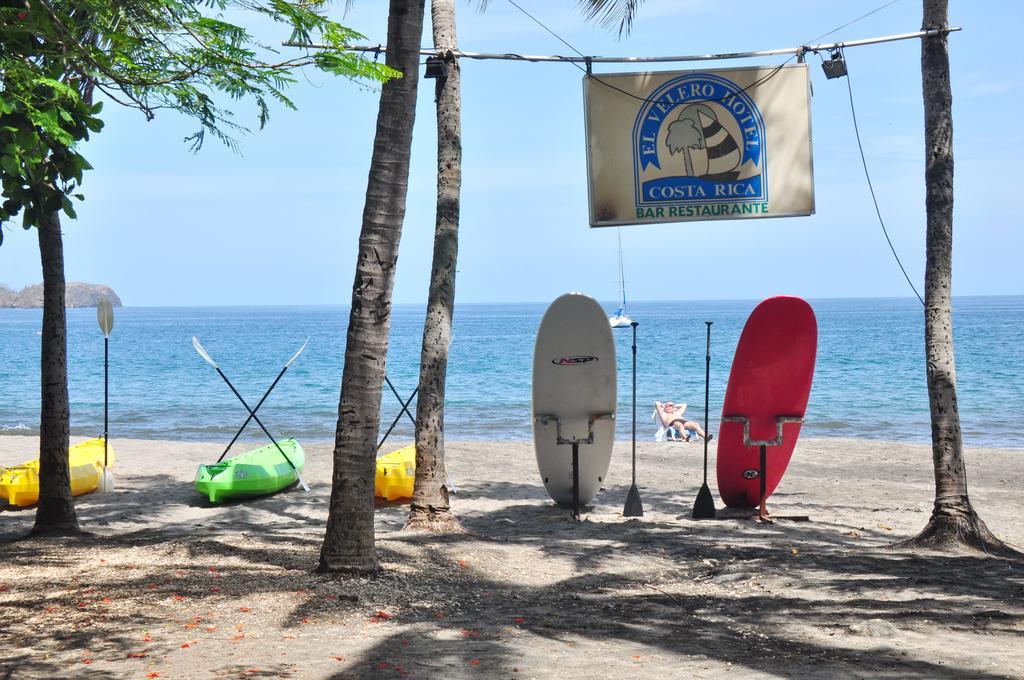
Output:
x,y
396,474
19,485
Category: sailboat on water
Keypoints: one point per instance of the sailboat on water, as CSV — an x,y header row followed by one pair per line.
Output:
x,y
620,319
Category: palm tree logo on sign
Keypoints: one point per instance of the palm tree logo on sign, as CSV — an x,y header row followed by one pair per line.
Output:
x,y
698,150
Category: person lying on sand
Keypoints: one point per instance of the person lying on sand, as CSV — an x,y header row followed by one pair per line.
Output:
x,y
676,428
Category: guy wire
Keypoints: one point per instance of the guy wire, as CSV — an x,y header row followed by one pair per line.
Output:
x,y
756,83
871,187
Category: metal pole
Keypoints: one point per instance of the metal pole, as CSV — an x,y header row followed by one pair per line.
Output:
x,y
762,512
644,60
707,392
634,506
106,394
634,324
576,481
704,504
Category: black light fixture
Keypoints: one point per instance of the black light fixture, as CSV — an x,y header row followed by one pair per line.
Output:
x,y
436,68
834,67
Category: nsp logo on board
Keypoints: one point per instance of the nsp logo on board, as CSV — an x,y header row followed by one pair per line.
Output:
x,y
573,361
699,150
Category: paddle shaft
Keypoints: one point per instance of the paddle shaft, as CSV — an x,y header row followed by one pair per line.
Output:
x,y
404,410
106,394
634,324
634,506
576,480
762,512
252,414
403,403
707,392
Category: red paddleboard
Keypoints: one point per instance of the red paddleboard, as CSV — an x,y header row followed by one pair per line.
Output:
x,y
770,379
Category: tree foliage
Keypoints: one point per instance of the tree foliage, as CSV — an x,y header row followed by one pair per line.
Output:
x,y
148,55
183,55
615,15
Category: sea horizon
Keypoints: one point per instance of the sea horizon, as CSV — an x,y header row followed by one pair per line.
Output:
x,y
869,380
605,302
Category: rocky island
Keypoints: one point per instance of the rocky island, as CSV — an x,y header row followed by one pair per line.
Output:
x,y
76,295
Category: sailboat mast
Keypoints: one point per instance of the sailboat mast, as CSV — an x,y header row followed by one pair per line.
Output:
x,y
622,275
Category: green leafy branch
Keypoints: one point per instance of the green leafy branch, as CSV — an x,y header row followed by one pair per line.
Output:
x,y
149,55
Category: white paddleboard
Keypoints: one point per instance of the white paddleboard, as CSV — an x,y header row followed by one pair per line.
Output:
x,y
574,386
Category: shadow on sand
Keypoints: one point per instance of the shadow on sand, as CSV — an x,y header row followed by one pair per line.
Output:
x,y
728,591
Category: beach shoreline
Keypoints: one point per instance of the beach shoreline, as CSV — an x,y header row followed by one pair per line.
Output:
x,y
168,584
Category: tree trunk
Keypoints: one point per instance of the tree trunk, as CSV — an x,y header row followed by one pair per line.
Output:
x,y
953,524
349,542
430,509
55,514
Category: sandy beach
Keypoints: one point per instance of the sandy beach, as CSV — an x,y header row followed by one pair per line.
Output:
x,y
171,587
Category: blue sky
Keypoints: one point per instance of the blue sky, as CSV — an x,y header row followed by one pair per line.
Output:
x,y
279,224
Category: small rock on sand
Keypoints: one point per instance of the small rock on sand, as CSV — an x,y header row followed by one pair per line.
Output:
x,y
873,628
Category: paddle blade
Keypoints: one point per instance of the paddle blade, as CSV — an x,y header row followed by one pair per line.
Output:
x,y
704,505
296,356
106,481
634,507
302,483
202,352
105,316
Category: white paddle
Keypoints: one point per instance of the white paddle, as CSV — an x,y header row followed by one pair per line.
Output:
x,y
208,359
105,316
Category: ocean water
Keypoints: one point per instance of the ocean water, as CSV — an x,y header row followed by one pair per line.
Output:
x,y
869,380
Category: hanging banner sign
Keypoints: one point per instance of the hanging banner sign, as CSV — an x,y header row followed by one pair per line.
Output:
x,y
699,145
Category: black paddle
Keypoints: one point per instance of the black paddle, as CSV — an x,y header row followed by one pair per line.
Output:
x,y
634,507
105,316
252,414
263,399
704,506
404,409
404,404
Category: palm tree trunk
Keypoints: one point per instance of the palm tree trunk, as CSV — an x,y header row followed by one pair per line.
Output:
x,y
953,523
55,514
430,509
349,541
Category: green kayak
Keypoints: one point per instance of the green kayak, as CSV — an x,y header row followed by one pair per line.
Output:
x,y
259,472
